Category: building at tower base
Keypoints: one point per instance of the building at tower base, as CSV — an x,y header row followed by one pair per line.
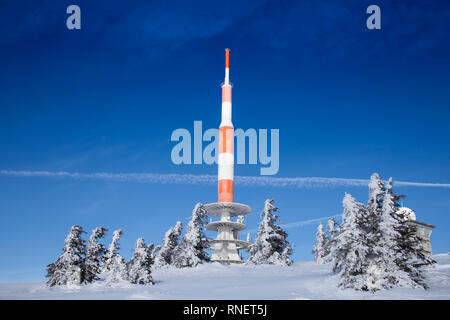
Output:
x,y
423,230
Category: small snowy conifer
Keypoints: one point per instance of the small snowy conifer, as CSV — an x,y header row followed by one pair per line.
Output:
x,y
164,255
94,256
319,246
139,266
114,264
67,268
271,246
351,246
112,252
330,243
190,251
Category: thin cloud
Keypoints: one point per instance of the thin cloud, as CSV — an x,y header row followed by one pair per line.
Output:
x,y
299,182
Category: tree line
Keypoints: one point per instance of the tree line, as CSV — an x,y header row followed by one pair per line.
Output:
x,y
82,263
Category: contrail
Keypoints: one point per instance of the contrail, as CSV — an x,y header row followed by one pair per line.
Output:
x,y
308,222
262,181
302,223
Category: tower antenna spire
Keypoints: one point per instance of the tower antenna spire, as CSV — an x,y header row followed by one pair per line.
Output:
x,y
227,66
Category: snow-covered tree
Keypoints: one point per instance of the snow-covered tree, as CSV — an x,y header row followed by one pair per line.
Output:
x,y
330,243
372,214
94,256
114,264
319,250
164,255
407,257
117,271
112,256
412,260
249,238
139,266
270,246
374,249
386,250
395,259
351,247
66,270
190,251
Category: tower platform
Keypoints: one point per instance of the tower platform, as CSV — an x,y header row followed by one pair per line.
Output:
x,y
226,245
232,208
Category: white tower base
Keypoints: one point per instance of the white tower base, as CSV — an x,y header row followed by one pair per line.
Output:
x,y
226,245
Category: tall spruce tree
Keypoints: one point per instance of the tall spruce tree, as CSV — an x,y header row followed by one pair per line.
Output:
x,y
270,246
387,249
139,266
351,246
409,258
164,255
190,251
67,269
94,256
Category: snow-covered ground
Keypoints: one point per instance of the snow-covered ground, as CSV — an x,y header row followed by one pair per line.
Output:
x,y
303,280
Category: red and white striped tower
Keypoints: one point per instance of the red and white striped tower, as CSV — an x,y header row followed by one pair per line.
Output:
x,y
226,140
227,244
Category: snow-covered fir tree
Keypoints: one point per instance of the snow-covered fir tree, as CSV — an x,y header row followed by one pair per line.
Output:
x,y
117,271
139,266
408,258
66,270
113,252
94,256
319,250
249,238
190,251
387,251
164,255
330,243
374,249
395,259
270,246
114,264
351,248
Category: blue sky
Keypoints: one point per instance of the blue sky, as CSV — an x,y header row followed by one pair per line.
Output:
x,y
348,102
